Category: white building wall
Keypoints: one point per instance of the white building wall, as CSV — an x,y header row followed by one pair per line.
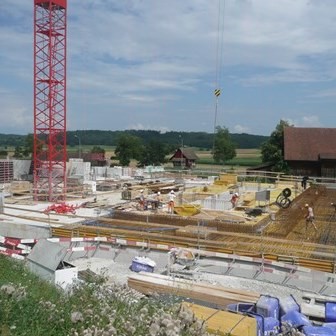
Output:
x,y
76,167
20,168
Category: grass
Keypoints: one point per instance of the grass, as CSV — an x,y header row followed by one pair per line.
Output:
x,y
32,307
245,157
246,162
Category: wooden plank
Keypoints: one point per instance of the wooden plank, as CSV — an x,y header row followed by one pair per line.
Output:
x,y
149,283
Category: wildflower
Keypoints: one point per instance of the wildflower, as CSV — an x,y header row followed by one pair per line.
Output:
x,y
154,329
144,310
112,331
165,322
76,317
8,289
89,312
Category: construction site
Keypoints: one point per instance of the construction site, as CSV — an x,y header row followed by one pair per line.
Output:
x,y
67,219
102,227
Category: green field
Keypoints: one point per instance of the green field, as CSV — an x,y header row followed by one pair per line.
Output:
x,y
245,157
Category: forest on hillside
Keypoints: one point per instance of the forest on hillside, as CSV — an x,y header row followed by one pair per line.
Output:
x,y
201,140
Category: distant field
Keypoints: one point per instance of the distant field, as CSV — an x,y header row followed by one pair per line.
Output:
x,y
241,153
245,157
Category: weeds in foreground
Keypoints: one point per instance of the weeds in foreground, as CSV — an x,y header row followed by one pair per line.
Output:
x,y
32,307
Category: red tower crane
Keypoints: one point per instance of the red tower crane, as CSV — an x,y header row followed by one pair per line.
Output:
x,y
50,99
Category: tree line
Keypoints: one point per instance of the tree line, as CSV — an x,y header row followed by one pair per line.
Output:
x,y
146,147
201,140
152,147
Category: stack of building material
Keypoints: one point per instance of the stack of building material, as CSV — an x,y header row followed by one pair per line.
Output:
x,y
149,283
223,322
6,171
229,180
20,187
248,199
76,167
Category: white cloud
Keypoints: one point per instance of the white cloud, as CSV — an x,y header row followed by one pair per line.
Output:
x,y
161,129
240,129
311,121
306,121
127,58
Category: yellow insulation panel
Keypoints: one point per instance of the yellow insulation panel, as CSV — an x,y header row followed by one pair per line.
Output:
x,y
224,323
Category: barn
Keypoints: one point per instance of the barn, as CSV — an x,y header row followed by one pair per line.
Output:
x,y
310,151
184,157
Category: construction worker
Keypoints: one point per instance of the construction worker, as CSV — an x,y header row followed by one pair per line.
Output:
x,y
234,200
142,200
309,216
158,199
304,182
171,202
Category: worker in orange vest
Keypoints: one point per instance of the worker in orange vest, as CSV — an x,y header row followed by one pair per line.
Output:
x,y
171,202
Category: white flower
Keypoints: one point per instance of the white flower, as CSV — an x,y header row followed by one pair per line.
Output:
x,y
76,317
154,329
8,289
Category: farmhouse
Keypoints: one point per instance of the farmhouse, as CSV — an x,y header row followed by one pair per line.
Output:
x,y
310,151
184,157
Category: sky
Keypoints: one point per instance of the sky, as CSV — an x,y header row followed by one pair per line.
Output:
x,y
154,64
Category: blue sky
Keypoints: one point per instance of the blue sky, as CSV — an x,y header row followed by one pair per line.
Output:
x,y
136,64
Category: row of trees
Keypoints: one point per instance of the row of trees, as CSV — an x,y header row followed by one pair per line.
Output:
x,y
130,147
192,139
110,138
155,152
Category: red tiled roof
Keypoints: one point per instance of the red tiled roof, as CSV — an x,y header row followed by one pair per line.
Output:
x,y
187,153
308,144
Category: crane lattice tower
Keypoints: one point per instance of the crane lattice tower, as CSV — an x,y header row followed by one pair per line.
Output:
x,y
50,99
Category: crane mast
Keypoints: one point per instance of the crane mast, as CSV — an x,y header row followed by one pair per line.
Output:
x,y
49,155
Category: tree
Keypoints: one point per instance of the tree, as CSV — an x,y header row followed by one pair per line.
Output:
x,y
3,153
98,149
224,148
154,153
29,145
18,152
128,147
272,151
